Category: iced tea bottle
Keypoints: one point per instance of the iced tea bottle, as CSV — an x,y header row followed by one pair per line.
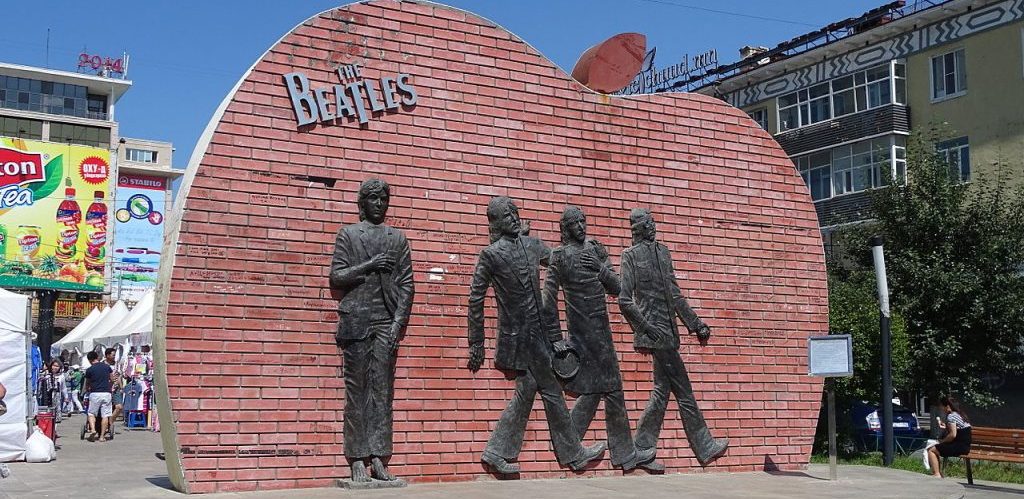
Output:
x,y
69,215
96,231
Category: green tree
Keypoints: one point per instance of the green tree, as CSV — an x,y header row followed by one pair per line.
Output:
x,y
954,253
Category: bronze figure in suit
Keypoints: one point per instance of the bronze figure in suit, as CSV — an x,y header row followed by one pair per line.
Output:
x,y
580,268
650,301
525,347
372,267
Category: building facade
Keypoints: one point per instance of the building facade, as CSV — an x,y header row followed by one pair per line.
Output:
x,y
843,109
64,206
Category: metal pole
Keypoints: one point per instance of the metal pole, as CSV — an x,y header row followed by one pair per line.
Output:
x,y
832,461
883,302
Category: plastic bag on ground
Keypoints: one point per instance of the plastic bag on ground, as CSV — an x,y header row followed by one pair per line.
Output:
x,y
931,443
39,448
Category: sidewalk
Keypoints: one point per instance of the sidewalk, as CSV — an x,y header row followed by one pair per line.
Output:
x,y
127,468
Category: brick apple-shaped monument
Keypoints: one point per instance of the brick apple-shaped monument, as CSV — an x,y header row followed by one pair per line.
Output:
x,y
451,110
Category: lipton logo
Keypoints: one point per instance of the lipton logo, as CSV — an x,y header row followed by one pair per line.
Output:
x,y
18,167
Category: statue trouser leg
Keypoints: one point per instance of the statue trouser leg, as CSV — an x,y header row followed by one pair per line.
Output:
x,y
697,432
507,439
583,412
369,392
620,437
649,427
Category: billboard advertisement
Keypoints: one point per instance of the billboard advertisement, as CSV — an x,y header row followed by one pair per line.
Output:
x,y
139,235
53,215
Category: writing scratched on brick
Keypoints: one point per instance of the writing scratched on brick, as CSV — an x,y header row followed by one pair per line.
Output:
x,y
318,259
439,309
268,199
207,251
214,275
245,452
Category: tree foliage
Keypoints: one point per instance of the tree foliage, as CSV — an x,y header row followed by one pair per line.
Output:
x,y
955,259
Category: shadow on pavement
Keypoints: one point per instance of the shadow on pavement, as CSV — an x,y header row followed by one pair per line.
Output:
x,y
995,488
161,481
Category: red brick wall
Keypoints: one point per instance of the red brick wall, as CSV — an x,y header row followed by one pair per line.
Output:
x,y
252,370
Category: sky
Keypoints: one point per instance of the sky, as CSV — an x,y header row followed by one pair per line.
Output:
x,y
185,55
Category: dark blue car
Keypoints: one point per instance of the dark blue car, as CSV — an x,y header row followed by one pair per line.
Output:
x,y
866,419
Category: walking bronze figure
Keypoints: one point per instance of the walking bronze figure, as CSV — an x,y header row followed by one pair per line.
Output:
x,y
511,265
650,301
580,268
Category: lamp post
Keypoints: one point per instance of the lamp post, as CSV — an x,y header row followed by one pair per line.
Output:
x,y
883,304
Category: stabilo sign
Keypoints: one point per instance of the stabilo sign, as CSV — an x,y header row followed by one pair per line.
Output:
x,y
354,98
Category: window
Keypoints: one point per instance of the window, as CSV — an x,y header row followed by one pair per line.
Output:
x,y
854,167
78,134
760,116
140,155
949,75
874,87
957,153
817,173
21,128
54,98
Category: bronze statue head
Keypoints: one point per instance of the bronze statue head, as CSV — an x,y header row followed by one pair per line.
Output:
x,y
643,226
503,218
574,225
374,199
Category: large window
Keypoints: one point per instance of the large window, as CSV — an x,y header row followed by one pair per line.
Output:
x,y
79,134
949,75
26,94
140,155
854,167
860,91
958,154
760,116
21,128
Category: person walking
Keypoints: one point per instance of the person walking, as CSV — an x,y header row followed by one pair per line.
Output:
x,y
97,384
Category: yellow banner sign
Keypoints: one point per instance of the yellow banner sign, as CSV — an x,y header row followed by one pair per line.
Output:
x,y
53,215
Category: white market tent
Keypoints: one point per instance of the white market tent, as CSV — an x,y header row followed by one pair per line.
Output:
x,y
138,322
80,329
15,313
111,320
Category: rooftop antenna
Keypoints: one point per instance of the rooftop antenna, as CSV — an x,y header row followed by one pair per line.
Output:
x,y
47,48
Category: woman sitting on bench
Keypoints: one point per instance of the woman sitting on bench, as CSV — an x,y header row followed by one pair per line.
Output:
x,y
957,439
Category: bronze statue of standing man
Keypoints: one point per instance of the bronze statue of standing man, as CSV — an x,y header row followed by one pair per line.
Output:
x,y
580,268
650,301
525,346
372,266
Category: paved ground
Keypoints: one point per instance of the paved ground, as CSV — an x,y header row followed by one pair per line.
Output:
x,y
128,468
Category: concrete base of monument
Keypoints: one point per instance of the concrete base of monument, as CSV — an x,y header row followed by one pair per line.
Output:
x,y
372,484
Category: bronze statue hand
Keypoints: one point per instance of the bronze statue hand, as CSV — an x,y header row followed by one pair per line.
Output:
x,y
381,262
588,260
560,346
393,336
703,334
476,357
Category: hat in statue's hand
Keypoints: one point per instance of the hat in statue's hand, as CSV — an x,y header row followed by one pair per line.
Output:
x,y
566,364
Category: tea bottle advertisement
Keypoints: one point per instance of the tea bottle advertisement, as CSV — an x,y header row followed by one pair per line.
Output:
x,y
53,215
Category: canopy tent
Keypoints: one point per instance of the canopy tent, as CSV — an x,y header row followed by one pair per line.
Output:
x,y
83,326
135,328
15,314
111,320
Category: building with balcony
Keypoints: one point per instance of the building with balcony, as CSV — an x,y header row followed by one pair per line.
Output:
x,y
842,100
62,113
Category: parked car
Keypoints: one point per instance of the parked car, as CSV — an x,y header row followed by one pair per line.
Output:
x,y
866,419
